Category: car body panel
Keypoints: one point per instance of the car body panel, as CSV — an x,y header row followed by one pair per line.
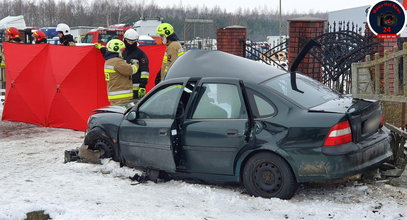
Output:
x,y
143,141
219,64
212,145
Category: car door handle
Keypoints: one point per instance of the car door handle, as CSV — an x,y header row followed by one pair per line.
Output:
x,y
163,132
232,132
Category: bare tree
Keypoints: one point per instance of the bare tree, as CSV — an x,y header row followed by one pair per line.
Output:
x,y
261,21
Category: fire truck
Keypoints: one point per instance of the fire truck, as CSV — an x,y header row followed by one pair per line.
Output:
x,y
103,35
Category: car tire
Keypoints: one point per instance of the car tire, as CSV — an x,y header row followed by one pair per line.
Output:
x,y
268,175
97,139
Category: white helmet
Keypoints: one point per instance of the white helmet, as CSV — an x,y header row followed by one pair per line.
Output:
x,y
64,28
131,34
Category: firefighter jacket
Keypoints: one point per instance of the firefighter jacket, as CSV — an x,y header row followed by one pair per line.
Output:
x,y
67,40
118,77
140,79
173,51
2,63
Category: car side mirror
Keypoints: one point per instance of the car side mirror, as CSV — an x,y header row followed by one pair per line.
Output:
x,y
132,116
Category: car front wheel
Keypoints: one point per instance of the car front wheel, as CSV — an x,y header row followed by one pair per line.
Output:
x,y
268,175
97,139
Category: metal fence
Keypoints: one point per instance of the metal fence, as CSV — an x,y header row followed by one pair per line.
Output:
x,y
272,54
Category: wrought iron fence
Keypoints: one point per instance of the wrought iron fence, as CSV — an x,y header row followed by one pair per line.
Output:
x,y
272,54
342,45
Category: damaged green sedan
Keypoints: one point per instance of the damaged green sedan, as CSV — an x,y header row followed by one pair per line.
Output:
x,y
222,118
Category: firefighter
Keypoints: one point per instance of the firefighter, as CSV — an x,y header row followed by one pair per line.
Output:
x,y
64,34
133,54
40,37
118,74
174,48
13,35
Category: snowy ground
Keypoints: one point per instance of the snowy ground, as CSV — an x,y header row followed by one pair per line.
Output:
x,y
34,177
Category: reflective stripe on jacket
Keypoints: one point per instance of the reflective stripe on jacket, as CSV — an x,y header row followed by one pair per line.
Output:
x,y
118,77
173,51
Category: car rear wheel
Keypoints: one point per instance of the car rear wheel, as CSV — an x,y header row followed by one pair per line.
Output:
x,y
268,175
97,139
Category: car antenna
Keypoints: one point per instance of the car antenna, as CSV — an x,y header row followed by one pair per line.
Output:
x,y
307,47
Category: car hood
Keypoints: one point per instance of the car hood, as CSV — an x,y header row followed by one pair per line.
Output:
x,y
111,109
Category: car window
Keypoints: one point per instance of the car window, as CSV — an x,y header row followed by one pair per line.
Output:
x,y
219,101
161,104
315,93
260,105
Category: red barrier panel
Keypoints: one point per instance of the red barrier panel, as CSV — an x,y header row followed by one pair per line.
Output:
x,y
58,86
155,56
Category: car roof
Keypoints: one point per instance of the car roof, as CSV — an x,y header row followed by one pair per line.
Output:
x,y
199,63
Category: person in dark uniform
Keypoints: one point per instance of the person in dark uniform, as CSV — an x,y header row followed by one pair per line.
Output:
x,y
64,34
134,55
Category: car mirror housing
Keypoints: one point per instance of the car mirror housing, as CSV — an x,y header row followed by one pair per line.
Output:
x,y
132,116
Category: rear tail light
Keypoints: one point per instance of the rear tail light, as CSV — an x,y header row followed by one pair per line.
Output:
x,y
339,134
381,120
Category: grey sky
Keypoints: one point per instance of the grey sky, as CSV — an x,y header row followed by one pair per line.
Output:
x,y
287,5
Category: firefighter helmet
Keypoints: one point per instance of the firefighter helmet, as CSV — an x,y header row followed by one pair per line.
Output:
x,y
12,32
115,45
131,34
64,28
39,35
165,29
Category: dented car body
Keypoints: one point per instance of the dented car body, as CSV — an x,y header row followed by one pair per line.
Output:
x,y
222,118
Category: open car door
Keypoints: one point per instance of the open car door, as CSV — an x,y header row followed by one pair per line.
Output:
x,y
149,130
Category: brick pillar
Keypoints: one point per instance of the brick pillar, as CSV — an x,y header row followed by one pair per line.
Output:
x,y
231,40
305,27
382,46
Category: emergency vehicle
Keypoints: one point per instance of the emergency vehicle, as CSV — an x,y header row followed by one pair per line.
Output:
x,y
147,27
103,35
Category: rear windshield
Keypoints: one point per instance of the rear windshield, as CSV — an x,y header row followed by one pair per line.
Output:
x,y
315,93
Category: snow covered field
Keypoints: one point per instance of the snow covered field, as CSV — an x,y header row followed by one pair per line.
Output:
x,y
33,177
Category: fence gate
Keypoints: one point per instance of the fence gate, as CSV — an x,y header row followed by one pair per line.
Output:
x,y
337,49
274,54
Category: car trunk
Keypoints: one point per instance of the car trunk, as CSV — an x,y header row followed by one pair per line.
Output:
x,y
365,116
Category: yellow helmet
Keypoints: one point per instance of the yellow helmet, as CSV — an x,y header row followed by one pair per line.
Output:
x,y
165,29
115,45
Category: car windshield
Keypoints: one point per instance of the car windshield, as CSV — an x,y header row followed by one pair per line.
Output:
x,y
315,93
104,38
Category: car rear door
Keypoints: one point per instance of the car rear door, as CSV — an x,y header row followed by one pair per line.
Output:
x,y
216,127
147,140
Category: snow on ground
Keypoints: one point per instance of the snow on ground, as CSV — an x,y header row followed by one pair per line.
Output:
x,y
33,177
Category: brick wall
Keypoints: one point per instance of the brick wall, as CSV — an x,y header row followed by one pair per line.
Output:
x,y
231,40
306,27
